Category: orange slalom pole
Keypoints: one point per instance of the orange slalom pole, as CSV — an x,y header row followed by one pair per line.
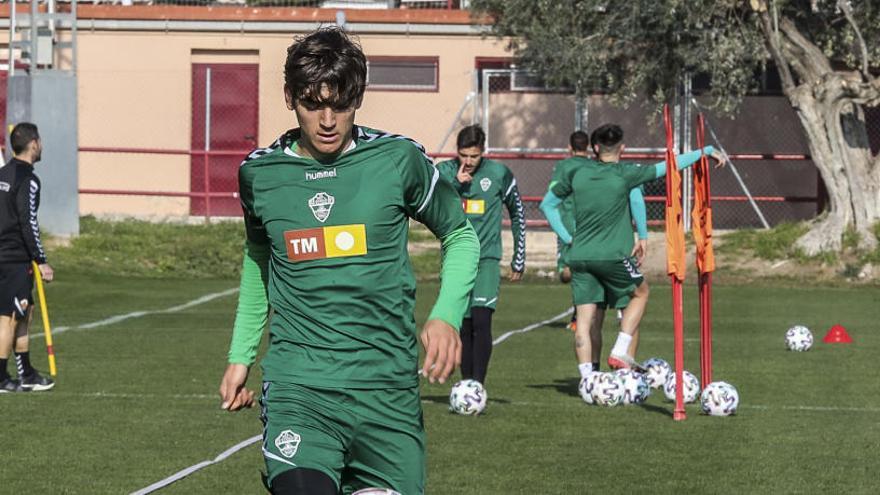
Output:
x,y
675,263
47,328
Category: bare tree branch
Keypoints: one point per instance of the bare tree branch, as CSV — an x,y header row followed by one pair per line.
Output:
x,y
775,50
812,62
846,8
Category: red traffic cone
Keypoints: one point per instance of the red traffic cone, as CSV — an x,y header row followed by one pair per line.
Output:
x,y
837,335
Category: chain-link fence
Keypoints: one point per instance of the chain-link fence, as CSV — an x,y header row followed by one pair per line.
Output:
x,y
174,150
771,179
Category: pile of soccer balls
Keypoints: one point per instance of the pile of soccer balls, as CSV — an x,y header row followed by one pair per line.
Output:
x,y
625,387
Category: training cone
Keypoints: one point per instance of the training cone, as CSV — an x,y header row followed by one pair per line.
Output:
x,y
837,335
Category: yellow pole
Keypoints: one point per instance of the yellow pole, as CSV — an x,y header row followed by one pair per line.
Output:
x,y
41,293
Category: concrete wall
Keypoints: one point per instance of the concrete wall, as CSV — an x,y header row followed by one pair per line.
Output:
x,y
135,91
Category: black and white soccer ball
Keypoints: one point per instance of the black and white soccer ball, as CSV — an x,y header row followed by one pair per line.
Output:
x,y
635,386
656,372
690,391
376,491
608,390
468,398
719,399
586,386
799,338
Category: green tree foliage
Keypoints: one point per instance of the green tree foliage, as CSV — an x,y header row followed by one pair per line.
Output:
x,y
642,47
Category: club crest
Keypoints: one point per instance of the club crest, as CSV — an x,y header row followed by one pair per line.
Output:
x,y
287,443
321,204
485,184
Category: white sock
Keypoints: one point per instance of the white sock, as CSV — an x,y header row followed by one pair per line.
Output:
x,y
621,347
585,369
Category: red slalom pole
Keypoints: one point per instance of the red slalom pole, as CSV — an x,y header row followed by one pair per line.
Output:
x,y
705,328
705,257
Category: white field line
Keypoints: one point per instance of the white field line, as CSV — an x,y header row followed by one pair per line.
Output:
x,y
210,397
531,327
186,472
137,314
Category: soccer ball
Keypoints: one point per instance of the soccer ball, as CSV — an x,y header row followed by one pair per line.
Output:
x,y
586,386
608,390
468,397
635,386
691,387
656,372
798,338
376,491
719,399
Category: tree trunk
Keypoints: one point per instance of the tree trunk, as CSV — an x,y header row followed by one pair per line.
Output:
x,y
827,103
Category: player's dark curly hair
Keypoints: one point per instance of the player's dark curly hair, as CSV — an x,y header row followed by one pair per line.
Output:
x,y
327,56
579,141
471,136
22,135
607,136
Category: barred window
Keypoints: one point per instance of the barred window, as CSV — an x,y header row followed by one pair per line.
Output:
x,y
403,73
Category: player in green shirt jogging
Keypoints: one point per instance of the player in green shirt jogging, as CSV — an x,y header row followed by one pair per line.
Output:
x,y
326,211
600,251
579,148
485,186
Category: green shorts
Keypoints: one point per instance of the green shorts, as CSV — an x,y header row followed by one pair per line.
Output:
x,y
612,282
485,292
360,438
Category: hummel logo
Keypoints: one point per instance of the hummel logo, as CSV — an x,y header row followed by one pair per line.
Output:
x,y
323,174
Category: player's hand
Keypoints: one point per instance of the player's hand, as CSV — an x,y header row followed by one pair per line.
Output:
x,y
720,158
442,350
640,250
233,395
46,272
462,176
515,276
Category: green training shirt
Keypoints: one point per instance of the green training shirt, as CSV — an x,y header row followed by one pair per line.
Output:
x,y
493,186
340,281
603,225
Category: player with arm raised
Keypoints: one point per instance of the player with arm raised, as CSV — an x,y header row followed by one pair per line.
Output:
x,y
326,210
485,186
601,252
591,332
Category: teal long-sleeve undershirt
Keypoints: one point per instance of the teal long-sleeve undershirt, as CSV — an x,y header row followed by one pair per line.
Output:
x,y
253,305
639,211
461,256
550,203
684,160
550,208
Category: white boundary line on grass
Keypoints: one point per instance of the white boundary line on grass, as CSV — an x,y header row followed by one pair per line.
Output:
x,y
137,314
531,327
188,471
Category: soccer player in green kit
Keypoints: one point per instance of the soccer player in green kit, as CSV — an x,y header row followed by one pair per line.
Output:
x,y
600,256
579,148
485,186
326,211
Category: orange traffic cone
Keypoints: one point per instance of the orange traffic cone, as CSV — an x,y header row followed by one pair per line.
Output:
x,y
837,335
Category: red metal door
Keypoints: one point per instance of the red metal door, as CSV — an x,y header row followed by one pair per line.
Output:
x,y
225,113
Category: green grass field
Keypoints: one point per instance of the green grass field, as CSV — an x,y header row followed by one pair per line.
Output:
x,y
136,400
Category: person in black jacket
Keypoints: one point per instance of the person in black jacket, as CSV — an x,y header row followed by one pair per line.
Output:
x,y
20,245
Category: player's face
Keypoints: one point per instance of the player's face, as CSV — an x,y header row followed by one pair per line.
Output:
x,y
325,127
470,158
